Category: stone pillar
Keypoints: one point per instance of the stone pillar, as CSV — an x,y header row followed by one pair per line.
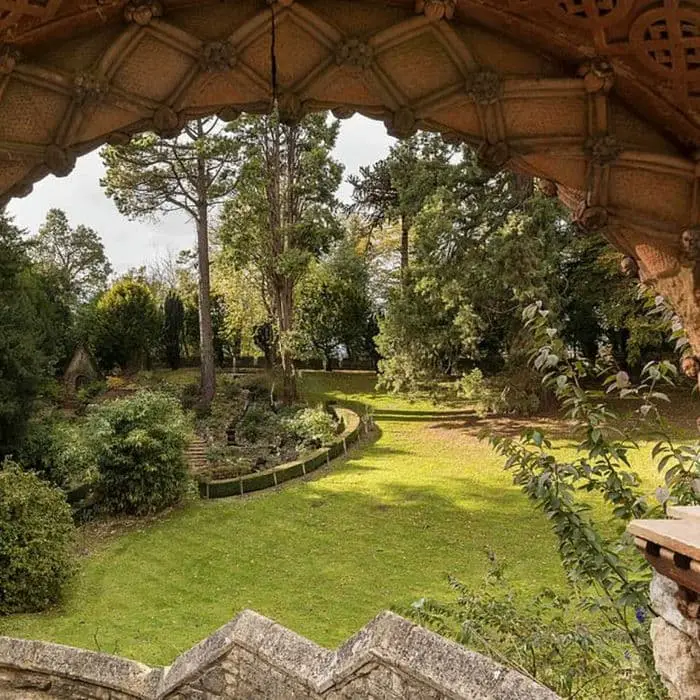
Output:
x,y
676,640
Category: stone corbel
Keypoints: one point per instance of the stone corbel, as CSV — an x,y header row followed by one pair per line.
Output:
x,y
402,123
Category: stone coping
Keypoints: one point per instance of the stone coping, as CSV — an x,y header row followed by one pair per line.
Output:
x,y
672,546
389,640
269,478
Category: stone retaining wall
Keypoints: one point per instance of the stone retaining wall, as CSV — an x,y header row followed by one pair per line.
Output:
x,y
254,658
269,478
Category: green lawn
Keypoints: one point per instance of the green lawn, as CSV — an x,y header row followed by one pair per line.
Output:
x,y
322,557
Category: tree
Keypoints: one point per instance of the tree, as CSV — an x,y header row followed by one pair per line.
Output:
x,y
192,172
396,188
335,311
74,256
126,325
282,215
23,360
173,328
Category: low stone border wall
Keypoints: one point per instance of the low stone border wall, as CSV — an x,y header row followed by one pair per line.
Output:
x,y
253,657
290,470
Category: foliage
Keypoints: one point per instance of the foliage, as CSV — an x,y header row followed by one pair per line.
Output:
x,y
139,444
396,188
334,308
538,636
126,326
29,337
312,427
57,450
173,328
282,214
517,391
74,257
422,500
192,171
597,561
36,542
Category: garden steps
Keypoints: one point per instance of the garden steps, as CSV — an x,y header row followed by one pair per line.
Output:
x,y
196,455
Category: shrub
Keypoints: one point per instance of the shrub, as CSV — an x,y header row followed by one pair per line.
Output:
x,y
36,537
541,636
313,427
140,443
56,449
516,391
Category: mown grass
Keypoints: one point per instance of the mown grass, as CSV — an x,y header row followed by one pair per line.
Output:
x,y
380,529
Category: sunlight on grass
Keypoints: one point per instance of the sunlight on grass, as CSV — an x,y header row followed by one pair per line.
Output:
x,y
323,557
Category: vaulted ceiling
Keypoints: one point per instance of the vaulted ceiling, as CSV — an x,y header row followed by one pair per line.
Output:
x,y
598,97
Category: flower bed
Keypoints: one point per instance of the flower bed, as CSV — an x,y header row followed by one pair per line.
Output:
x,y
290,470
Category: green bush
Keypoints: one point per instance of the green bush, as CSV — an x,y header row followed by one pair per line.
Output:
x,y
36,538
140,444
541,636
56,449
312,427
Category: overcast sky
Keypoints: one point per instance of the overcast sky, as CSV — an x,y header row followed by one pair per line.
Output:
x,y
134,243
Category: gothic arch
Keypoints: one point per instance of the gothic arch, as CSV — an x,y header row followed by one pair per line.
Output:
x,y
597,96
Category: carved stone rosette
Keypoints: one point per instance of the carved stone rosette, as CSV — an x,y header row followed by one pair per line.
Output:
x,y
354,54
603,150
89,88
217,56
598,75
435,10
228,114
629,267
290,108
690,244
141,12
484,87
548,188
9,57
343,112
166,122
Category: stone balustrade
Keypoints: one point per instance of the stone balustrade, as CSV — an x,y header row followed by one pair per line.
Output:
x,y
253,657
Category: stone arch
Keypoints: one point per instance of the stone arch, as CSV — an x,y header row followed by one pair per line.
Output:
x,y
76,76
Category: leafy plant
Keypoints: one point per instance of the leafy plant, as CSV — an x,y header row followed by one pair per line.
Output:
x,y
599,561
312,427
57,450
139,444
36,542
539,636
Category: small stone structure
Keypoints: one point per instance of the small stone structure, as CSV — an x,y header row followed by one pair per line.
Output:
x,y
81,371
672,547
253,657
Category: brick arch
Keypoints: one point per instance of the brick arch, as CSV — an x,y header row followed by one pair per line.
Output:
x,y
81,75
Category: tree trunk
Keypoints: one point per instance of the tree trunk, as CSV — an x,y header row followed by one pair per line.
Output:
x,y
206,334
286,325
405,227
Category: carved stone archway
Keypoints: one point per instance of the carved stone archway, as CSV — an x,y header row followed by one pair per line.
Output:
x,y
600,97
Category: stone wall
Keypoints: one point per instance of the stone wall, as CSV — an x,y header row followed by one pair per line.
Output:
x,y
676,641
254,658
